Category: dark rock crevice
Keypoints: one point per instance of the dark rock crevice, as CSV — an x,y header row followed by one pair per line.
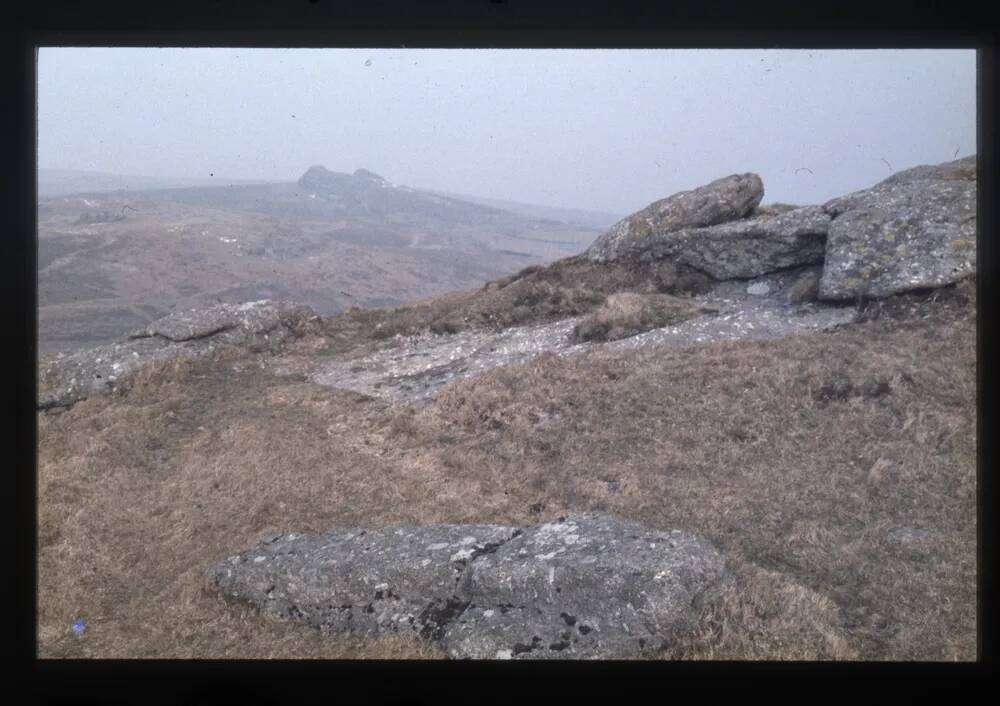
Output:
x,y
777,271
437,617
456,606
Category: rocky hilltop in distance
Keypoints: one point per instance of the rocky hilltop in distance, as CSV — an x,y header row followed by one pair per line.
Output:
x,y
722,429
366,191
110,262
321,193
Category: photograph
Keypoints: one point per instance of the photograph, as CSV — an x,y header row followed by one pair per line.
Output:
x,y
531,354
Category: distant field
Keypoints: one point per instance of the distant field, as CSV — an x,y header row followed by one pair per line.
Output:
x,y
110,262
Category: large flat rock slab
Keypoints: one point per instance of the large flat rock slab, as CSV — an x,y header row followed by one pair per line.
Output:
x,y
418,367
588,585
915,230
722,200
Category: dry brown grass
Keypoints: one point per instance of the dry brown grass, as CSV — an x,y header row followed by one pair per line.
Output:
x,y
537,294
795,457
627,314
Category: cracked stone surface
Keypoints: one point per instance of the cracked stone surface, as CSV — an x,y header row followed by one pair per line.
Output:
x,y
588,585
361,580
914,230
748,247
256,326
418,367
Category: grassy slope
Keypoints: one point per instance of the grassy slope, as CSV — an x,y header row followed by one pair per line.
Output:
x,y
795,457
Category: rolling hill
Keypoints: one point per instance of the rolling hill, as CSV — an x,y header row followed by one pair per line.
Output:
x,y
109,261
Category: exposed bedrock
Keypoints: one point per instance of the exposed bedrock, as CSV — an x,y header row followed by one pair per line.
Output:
x,y
254,326
749,247
915,230
722,200
587,585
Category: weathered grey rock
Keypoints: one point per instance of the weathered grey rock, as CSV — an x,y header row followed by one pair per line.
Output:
x,y
916,229
405,578
256,326
585,586
590,586
245,322
749,247
960,169
722,200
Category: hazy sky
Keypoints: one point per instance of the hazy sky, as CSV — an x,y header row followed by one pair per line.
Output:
x,y
597,129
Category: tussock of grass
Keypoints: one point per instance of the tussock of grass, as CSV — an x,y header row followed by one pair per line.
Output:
x,y
537,294
801,491
763,614
627,314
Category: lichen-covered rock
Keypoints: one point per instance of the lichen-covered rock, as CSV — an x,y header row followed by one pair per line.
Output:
x,y
916,229
393,579
64,380
244,323
722,200
958,170
256,326
584,586
749,247
590,586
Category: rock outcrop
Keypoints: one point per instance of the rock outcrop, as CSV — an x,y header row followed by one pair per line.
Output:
x,y
369,175
255,326
318,177
749,247
722,200
585,586
916,229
